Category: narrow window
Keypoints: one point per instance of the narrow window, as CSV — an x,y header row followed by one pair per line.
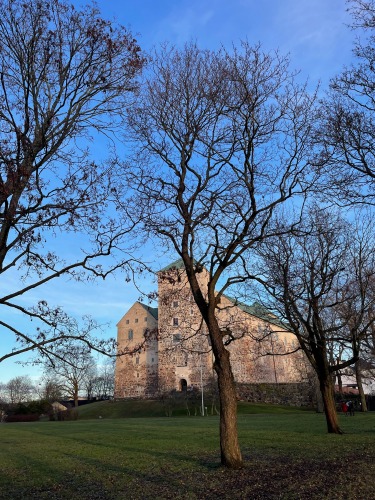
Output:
x,y
137,360
136,320
127,321
146,318
130,335
181,359
175,321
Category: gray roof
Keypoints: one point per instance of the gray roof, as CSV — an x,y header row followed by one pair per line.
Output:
x,y
177,264
259,311
152,310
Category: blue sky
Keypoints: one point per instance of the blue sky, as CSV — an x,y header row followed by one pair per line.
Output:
x,y
314,33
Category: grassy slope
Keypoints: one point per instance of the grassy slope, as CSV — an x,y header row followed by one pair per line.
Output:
x,y
287,455
126,409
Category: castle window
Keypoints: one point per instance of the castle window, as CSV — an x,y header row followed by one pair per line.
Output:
x,y
137,360
177,337
175,304
181,359
127,321
130,335
145,318
175,321
136,320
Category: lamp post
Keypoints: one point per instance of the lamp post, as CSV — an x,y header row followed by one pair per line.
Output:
x,y
273,357
202,394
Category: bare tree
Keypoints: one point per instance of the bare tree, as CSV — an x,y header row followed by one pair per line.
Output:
x,y
70,369
65,76
103,383
364,368
19,389
320,282
348,128
49,389
224,139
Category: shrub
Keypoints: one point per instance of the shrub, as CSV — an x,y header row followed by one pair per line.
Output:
x,y
22,417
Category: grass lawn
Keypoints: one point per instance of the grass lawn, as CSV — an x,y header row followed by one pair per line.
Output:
x,y
288,455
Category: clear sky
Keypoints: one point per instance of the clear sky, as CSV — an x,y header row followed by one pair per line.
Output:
x,y
314,33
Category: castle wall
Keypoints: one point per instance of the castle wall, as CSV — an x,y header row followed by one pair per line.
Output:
x,y
178,355
256,351
136,373
184,352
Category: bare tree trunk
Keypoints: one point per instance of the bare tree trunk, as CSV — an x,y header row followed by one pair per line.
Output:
x,y
318,397
339,377
229,446
75,396
230,449
327,390
339,382
358,376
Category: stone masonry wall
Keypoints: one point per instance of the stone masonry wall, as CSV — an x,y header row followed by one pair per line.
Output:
x,y
179,354
136,373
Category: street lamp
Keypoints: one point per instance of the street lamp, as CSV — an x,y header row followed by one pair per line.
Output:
x,y
202,411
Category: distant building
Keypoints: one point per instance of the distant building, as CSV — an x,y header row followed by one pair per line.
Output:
x,y
171,349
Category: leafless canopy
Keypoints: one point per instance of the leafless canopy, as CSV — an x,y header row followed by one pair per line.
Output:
x,y
222,140
64,74
321,282
348,119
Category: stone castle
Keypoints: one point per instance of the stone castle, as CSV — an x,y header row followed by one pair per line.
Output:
x,y
168,348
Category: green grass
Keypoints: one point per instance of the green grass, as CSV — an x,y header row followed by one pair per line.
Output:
x,y
149,408
287,455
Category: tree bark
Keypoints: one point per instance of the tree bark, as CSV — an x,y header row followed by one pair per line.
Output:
x,y
358,376
339,378
327,390
230,450
76,389
231,456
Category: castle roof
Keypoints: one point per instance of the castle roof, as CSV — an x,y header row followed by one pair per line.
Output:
x,y
177,264
258,311
152,310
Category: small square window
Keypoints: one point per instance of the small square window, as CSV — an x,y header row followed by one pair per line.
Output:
x,y
177,337
175,321
130,335
146,318
175,303
136,320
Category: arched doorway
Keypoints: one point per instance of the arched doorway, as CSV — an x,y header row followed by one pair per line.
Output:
x,y
183,385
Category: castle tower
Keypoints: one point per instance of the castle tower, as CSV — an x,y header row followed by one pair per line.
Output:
x,y
168,348
136,372
184,351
